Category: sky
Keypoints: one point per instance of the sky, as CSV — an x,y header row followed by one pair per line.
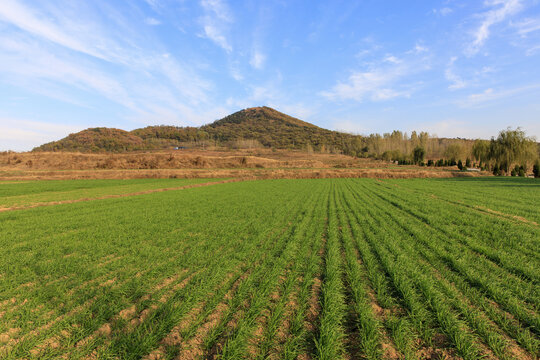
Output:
x,y
452,68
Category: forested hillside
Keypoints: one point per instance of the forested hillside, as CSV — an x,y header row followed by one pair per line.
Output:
x,y
256,127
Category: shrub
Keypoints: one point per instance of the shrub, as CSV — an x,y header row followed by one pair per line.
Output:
x,y
418,154
536,169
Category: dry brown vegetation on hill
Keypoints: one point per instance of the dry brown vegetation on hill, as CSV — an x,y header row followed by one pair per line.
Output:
x,y
254,163
264,126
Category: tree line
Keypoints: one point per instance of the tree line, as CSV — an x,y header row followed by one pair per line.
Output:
x,y
511,153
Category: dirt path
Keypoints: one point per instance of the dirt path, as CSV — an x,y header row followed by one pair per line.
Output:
x,y
118,195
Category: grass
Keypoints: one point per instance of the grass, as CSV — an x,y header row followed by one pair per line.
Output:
x,y
24,193
411,268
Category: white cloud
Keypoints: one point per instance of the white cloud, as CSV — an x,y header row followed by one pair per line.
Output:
x,y
504,9
456,81
392,59
380,81
527,26
486,70
92,36
484,96
532,50
23,135
257,60
154,4
375,84
39,24
219,8
235,72
28,59
183,79
420,48
152,21
370,51
215,22
443,11
490,95
527,31
215,33
52,53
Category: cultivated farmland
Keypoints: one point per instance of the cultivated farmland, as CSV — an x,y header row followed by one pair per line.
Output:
x,y
271,269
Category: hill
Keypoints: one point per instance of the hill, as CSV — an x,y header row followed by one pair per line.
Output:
x,y
274,129
99,139
262,125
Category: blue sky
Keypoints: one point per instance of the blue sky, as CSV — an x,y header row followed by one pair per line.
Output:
x,y
452,68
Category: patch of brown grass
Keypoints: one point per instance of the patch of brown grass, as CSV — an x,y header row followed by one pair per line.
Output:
x,y
504,215
254,164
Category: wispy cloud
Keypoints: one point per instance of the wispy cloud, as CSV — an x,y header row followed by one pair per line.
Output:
x,y
216,19
25,58
383,80
444,11
528,30
499,11
152,21
61,31
234,70
489,95
532,50
257,59
456,82
527,26
45,46
419,48
375,84
154,4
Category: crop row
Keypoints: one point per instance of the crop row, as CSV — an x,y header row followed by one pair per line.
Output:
x,y
275,269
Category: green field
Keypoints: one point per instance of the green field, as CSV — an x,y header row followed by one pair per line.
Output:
x,y
24,193
272,269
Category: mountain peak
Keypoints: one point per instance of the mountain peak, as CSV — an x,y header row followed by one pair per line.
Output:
x,y
260,115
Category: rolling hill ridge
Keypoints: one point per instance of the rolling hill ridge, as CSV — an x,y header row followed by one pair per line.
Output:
x,y
263,126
